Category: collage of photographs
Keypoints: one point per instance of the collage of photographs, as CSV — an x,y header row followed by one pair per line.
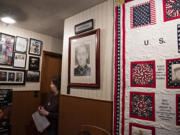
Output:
x,y
13,53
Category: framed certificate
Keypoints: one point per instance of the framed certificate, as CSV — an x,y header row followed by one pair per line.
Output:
x,y
21,44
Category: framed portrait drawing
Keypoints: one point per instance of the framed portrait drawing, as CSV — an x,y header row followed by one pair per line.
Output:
x,y
21,44
34,63
19,60
32,76
6,49
12,76
84,60
35,47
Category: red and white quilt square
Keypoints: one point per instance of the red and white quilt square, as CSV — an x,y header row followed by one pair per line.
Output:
x,y
143,74
142,105
171,9
143,14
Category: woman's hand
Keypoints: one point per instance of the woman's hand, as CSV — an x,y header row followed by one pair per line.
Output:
x,y
43,111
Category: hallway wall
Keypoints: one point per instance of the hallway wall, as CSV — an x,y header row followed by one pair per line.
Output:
x,y
49,44
86,105
103,19
25,101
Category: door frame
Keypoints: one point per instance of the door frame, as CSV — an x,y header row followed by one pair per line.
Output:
x,y
57,55
46,53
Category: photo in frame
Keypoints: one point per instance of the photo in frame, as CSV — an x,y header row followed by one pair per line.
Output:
x,y
21,44
19,60
35,47
34,63
32,76
12,76
6,49
84,60
173,73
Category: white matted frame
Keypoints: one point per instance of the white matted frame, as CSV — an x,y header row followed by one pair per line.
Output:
x,y
84,60
19,60
21,44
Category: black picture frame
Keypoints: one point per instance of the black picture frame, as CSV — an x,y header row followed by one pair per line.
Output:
x,y
32,76
6,49
18,64
12,76
34,63
84,26
35,47
21,46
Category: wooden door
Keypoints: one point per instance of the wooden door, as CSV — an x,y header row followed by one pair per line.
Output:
x,y
51,67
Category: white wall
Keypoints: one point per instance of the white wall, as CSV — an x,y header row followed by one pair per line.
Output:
x,y
103,19
49,44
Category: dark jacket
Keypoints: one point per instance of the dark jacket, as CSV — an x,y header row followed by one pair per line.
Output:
x,y
52,106
82,71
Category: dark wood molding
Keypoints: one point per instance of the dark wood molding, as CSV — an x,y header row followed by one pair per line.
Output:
x,y
52,54
70,96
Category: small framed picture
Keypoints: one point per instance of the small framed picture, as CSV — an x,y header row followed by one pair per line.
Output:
x,y
173,73
12,76
35,47
6,49
32,76
34,63
20,60
84,26
84,60
21,44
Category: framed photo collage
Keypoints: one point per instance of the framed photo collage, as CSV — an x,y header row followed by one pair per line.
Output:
x,y
14,55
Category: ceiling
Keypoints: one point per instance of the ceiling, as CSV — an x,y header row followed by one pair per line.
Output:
x,y
44,16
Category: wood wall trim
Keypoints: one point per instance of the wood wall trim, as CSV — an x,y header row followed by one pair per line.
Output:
x,y
87,98
52,54
75,112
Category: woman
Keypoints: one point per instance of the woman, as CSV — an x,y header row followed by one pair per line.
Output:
x,y
50,109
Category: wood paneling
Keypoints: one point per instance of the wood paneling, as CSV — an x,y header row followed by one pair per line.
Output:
x,y
74,112
24,104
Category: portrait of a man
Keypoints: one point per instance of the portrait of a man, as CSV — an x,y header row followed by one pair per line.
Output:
x,y
3,76
82,60
19,77
33,63
176,73
11,76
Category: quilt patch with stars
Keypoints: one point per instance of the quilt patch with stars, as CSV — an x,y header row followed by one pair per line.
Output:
x,y
143,14
178,110
137,129
142,105
171,9
143,74
173,73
